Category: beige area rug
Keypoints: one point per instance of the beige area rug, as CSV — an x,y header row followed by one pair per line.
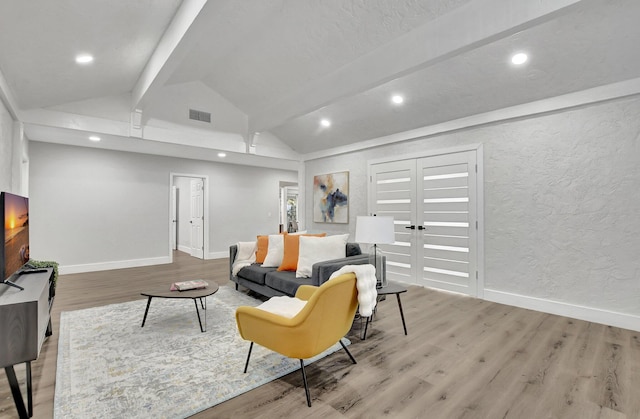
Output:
x,y
110,367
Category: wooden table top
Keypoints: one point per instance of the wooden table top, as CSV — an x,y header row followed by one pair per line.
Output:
x,y
199,293
392,288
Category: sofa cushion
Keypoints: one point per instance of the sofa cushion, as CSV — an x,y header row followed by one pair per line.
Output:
x,y
286,281
255,273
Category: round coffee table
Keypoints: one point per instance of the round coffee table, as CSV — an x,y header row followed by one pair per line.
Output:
x,y
195,295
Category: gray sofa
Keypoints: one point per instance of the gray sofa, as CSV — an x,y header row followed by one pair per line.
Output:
x,y
269,282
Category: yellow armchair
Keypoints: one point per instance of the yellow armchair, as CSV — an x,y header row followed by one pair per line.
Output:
x,y
324,320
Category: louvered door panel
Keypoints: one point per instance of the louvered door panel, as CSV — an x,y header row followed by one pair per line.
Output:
x,y
446,246
394,195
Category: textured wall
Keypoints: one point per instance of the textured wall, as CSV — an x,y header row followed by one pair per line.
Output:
x,y
561,206
561,202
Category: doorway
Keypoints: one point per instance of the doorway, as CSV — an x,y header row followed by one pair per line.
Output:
x,y
435,202
189,214
288,207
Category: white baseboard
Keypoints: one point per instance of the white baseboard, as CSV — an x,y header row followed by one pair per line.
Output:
x,y
218,255
595,315
105,266
210,255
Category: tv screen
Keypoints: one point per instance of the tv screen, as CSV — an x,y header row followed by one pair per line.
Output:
x,y
15,252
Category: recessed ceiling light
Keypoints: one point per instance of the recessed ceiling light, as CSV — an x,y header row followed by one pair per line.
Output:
x,y
397,99
94,138
222,154
519,58
84,58
325,123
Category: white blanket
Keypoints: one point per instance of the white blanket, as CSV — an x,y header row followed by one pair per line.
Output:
x,y
283,306
366,285
246,256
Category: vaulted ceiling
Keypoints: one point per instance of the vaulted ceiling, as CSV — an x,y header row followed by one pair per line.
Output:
x,y
269,70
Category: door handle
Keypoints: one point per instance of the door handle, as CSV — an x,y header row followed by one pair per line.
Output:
x,y
421,228
411,227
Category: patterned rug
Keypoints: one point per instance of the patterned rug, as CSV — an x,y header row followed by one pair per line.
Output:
x,y
108,366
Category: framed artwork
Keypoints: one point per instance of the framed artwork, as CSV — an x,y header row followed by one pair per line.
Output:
x,y
331,198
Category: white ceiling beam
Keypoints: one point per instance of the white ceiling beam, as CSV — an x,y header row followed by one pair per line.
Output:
x,y
70,121
478,23
174,45
51,123
57,135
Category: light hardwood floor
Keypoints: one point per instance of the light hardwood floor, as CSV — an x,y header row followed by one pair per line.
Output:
x,y
463,358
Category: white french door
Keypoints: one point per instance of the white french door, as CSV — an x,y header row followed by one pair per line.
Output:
x,y
393,188
434,204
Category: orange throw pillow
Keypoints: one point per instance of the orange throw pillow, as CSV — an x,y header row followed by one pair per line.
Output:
x,y
291,251
263,245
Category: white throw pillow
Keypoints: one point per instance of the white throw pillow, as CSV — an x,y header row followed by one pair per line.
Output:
x,y
318,249
275,251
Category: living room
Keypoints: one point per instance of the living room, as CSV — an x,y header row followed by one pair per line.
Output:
x,y
557,142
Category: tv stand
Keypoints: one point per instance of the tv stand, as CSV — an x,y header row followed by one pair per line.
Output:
x,y
12,284
25,322
32,271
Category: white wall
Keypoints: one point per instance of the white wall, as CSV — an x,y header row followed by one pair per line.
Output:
x,y
6,132
14,151
174,102
562,232
97,209
6,149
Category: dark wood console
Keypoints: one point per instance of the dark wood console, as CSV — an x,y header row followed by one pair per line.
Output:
x,y
25,321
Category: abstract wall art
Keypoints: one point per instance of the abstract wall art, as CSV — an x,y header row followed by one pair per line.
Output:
x,y
331,198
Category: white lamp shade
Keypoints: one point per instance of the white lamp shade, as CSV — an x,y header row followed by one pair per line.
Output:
x,y
375,230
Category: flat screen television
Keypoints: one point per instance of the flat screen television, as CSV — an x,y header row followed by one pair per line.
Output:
x,y
15,250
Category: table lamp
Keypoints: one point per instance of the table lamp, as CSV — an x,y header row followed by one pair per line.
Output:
x,y
376,230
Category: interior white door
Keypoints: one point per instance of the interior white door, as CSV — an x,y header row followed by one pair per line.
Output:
x,y
394,195
197,218
447,222
174,217
433,202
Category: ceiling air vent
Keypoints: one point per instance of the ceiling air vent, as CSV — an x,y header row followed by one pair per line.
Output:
x,y
199,115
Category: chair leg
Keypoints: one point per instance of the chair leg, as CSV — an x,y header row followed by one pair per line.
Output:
x,y
246,365
306,386
348,353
